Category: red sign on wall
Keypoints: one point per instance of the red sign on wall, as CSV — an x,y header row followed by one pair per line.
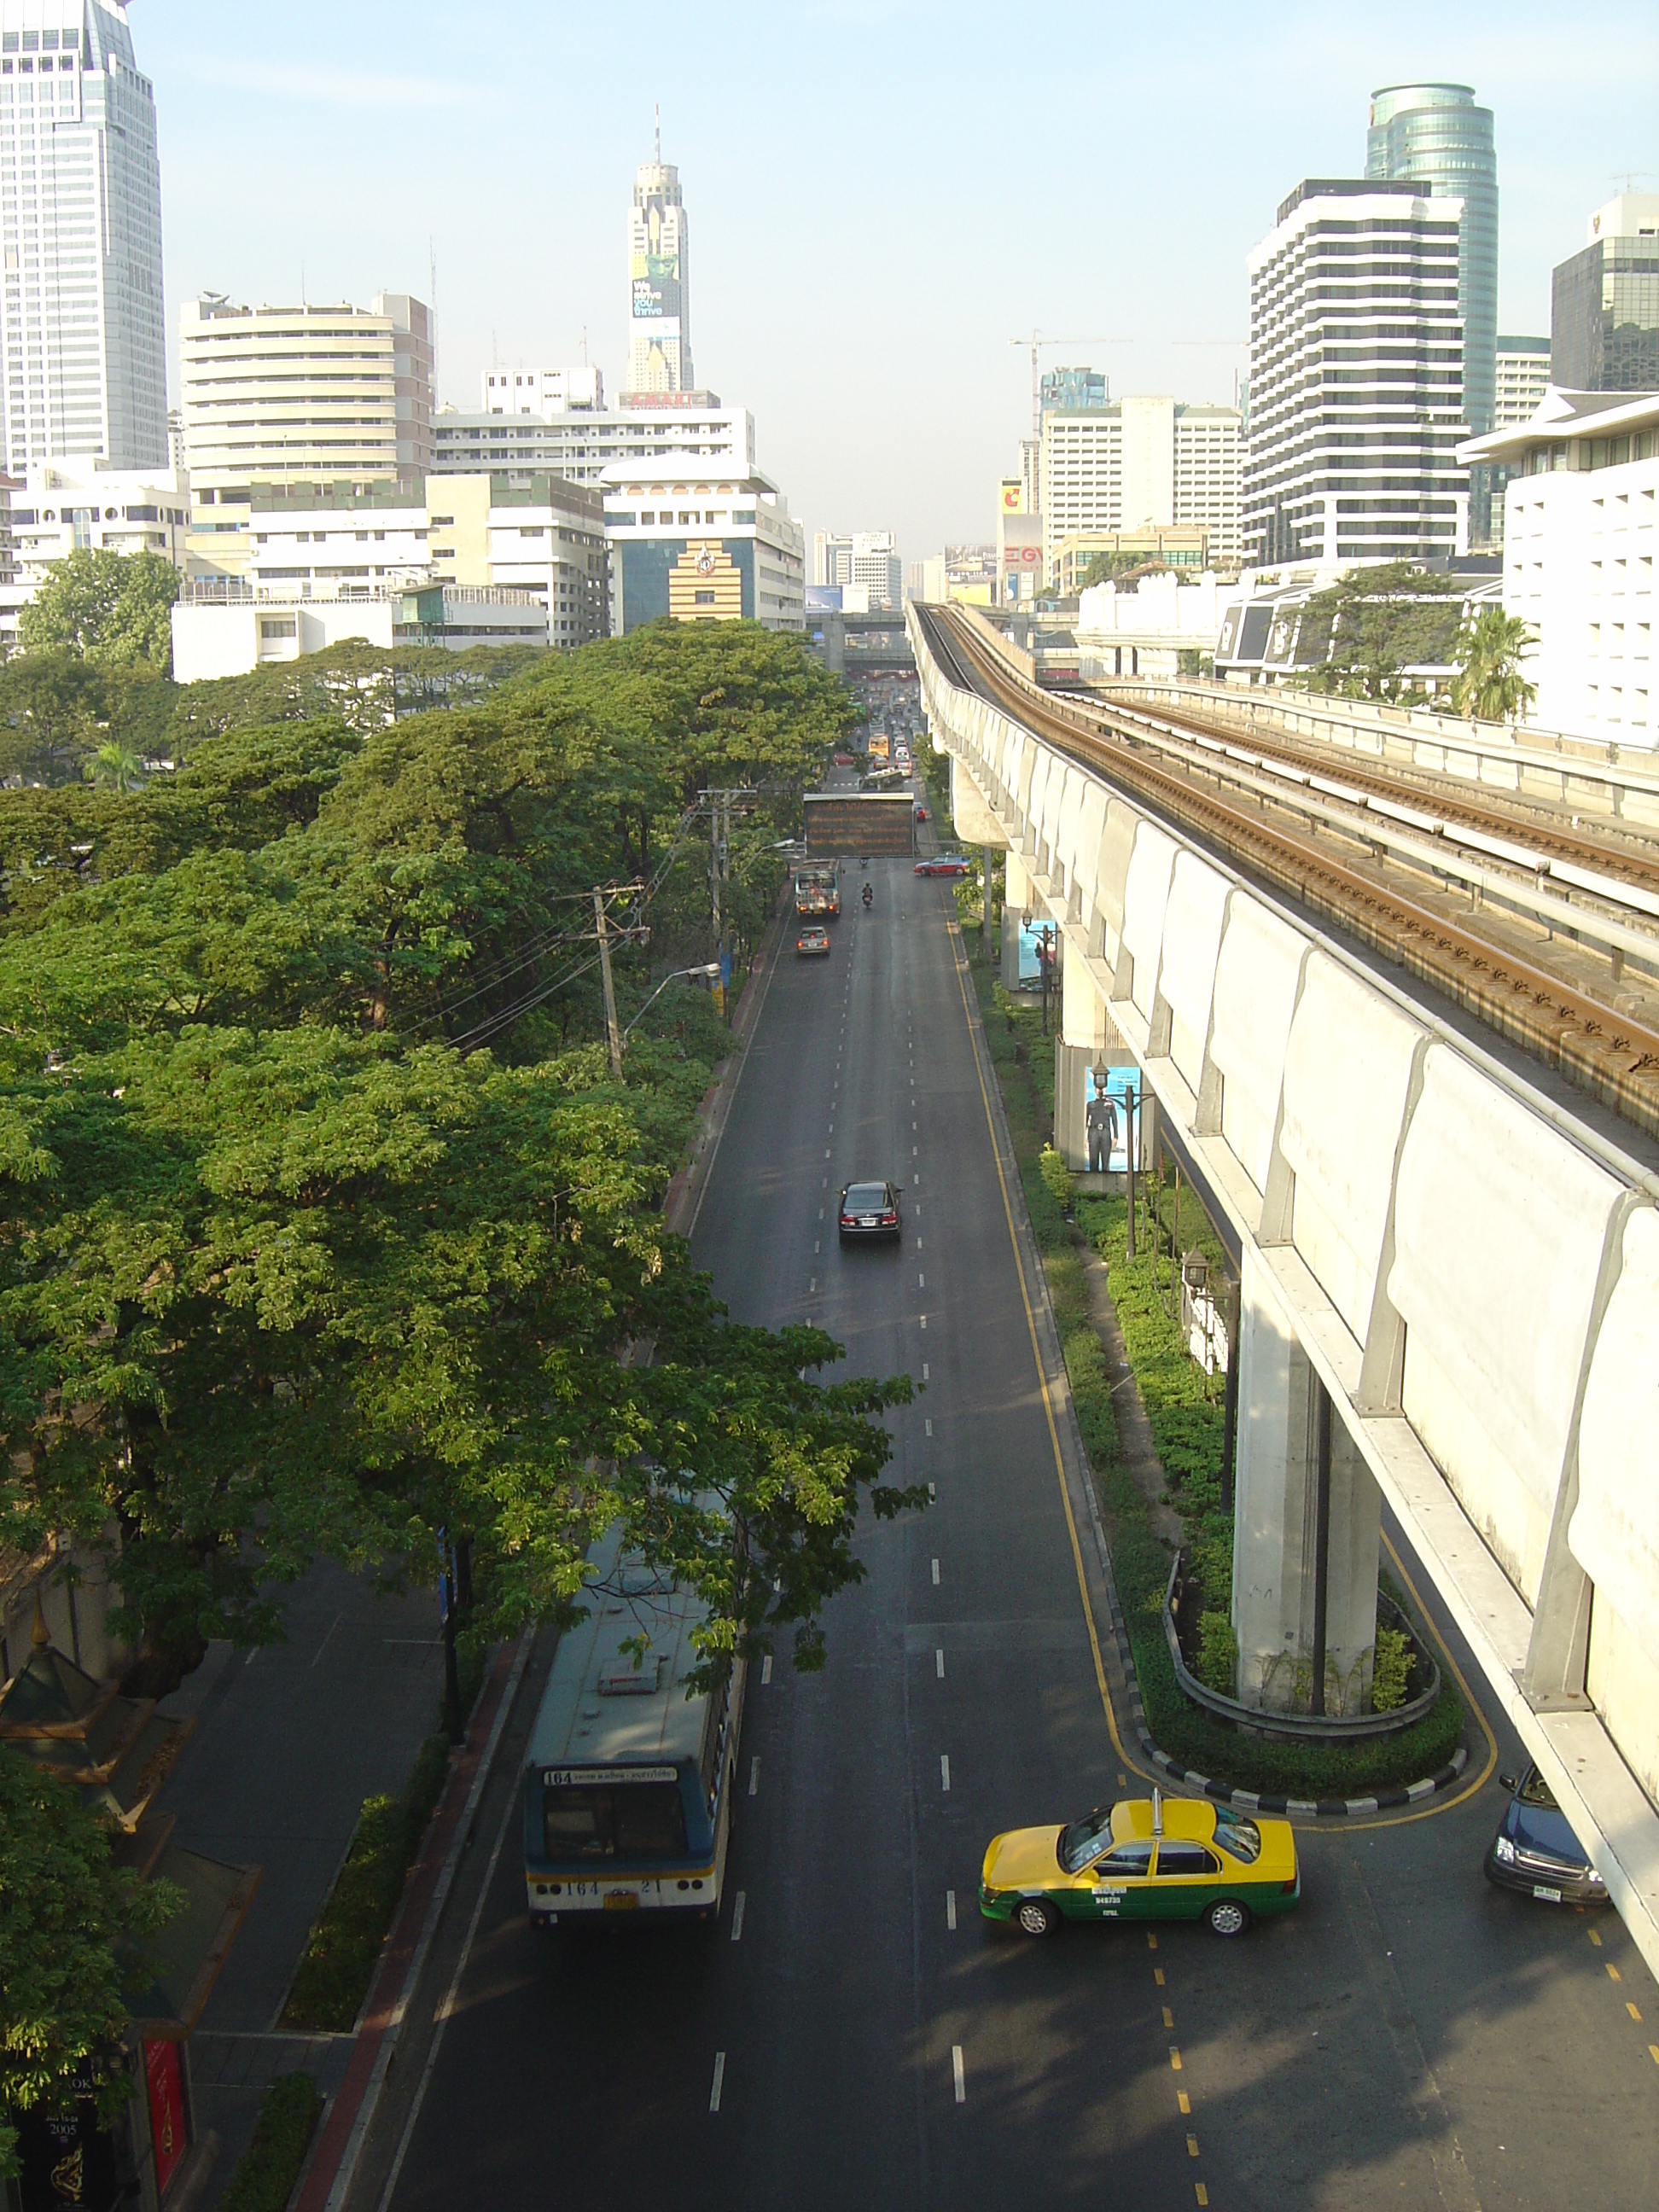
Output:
x,y
164,2077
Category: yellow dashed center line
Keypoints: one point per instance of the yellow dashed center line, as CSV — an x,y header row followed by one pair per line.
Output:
x,y
1614,1974
1175,2060
1185,2103
1169,2017
1631,2010
1192,2146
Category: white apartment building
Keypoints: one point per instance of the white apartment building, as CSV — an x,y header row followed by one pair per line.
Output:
x,y
700,547
59,507
85,340
581,442
1141,460
1523,378
1355,378
278,396
222,627
1581,536
864,561
540,391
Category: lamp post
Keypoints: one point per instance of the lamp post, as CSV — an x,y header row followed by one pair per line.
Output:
x,y
709,969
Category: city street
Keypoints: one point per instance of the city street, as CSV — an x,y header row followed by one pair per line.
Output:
x,y
1408,2035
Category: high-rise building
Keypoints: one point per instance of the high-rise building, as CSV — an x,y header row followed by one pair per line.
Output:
x,y
84,330
1072,388
1604,302
276,396
1143,459
832,557
863,562
413,360
659,296
1523,378
1435,135
1355,378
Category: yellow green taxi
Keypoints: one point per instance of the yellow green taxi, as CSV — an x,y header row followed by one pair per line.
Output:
x,y
1144,1858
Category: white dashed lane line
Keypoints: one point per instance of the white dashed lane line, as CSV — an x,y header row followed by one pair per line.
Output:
x,y
737,1918
957,2072
936,1574
951,1909
754,1776
766,1668
720,2080
944,1770
938,1663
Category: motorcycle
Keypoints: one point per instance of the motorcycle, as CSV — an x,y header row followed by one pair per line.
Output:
x,y
869,897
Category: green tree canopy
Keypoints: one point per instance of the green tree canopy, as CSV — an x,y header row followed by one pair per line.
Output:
x,y
1358,638
113,608
65,1914
1490,650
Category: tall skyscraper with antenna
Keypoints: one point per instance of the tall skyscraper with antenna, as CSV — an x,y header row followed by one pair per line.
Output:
x,y
658,302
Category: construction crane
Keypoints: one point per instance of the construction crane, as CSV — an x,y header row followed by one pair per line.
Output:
x,y
1039,345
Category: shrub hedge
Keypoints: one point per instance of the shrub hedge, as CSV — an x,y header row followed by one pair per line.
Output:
x,y
268,2169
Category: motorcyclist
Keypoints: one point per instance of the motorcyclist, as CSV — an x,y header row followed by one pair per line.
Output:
x,y
869,895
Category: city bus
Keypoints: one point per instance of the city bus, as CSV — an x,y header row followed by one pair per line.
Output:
x,y
817,890
628,1782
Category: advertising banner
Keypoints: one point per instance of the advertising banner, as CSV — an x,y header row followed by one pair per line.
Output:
x,y
1106,1092
163,2079
656,287
1031,952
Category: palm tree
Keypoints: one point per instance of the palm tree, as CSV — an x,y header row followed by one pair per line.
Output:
x,y
116,766
1489,686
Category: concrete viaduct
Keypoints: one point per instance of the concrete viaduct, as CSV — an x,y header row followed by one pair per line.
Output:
x,y
1470,1274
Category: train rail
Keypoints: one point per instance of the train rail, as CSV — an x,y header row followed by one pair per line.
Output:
x,y
1602,1050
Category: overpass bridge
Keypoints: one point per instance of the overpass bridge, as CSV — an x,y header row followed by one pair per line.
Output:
x,y
889,654
1436,1146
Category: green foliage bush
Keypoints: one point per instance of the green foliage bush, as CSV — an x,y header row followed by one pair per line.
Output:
x,y
1390,1670
1056,1175
1218,1654
268,2169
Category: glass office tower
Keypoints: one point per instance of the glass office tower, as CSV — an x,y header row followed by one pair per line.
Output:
x,y
1435,135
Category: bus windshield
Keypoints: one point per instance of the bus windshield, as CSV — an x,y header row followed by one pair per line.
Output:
x,y
614,1821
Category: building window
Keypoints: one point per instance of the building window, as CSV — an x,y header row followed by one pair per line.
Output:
x,y
277,626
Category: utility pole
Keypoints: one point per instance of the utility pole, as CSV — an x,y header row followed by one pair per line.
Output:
x,y
611,1030
1129,1164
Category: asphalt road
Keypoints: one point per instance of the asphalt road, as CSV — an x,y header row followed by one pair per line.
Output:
x,y
1407,2037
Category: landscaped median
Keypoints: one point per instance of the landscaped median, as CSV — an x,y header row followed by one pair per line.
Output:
x,y
1185,1415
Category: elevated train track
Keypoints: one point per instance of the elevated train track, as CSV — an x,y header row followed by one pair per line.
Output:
x,y
1225,795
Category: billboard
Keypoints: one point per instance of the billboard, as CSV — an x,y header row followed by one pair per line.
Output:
x,y
1013,496
1031,952
1106,1093
879,823
656,287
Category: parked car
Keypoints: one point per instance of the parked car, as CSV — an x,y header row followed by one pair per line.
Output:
x,y
1535,1849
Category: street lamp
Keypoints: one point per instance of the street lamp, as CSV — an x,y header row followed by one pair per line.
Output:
x,y
707,968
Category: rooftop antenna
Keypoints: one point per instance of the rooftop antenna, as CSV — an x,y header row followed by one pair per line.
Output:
x,y
584,345
657,154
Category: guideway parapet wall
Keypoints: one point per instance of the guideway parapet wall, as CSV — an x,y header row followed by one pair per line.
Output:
x,y
1469,1273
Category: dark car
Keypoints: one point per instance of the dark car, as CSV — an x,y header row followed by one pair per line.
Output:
x,y
941,864
1536,1851
870,1209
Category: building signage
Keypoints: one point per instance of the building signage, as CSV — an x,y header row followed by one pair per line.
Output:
x,y
163,2079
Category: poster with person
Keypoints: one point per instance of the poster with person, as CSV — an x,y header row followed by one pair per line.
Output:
x,y
1106,1117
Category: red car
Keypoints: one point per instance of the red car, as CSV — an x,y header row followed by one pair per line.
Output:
x,y
922,811
845,760
942,864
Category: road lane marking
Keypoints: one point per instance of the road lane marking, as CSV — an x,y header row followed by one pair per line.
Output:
x,y
1192,2146
1185,2103
1614,1974
1122,1781
930,1428
950,1908
924,1321
1200,2192
932,1493
1596,1937
1175,2060
754,1776
766,1668
1151,1941
1631,2010
921,1282
818,1241
1653,2052
1169,2017
939,1669
1158,1975
956,2068
944,1770
719,2077
936,1574
924,1377
737,1918
826,1152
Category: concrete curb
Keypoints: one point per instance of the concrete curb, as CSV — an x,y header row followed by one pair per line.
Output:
x,y
346,2123
1245,1800
683,1197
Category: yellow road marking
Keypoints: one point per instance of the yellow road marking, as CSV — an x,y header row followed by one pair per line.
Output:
x,y
1201,2192
1185,2103
1653,2052
1594,1935
1614,1974
1169,2017
1151,1941
1043,1379
1158,1975
1192,2146
1175,2060
1631,2010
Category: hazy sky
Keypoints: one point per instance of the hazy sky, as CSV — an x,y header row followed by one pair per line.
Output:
x,y
880,196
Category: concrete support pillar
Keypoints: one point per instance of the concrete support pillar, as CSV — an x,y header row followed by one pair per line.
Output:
x,y
1071,1066
1017,890
835,643
1276,1524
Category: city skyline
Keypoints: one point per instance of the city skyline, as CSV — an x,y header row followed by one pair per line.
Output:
x,y
884,386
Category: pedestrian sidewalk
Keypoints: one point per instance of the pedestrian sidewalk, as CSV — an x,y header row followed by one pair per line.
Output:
x,y
291,1739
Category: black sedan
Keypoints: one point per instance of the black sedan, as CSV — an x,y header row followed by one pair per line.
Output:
x,y
870,1209
1536,1851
